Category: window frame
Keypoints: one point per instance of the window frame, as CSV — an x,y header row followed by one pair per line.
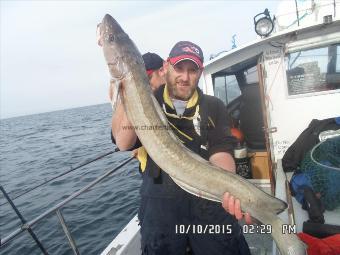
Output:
x,y
224,75
312,93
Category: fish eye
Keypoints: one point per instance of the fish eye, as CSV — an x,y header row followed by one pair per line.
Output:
x,y
111,38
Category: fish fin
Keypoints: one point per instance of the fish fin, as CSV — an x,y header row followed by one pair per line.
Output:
x,y
115,88
195,191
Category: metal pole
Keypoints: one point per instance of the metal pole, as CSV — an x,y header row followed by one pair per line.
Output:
x,y
23,221
291,216
67,233
86,162
297,13
62,203
225,88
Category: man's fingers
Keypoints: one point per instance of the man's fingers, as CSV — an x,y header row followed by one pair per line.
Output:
x,y
110,91
238,212
225,201
135,153
231,205
98,34
247,218
116,89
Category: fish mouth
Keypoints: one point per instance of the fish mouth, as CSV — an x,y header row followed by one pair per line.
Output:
x,y
115,73
118,68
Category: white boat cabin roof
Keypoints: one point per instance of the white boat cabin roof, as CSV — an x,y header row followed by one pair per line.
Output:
x,y
298,72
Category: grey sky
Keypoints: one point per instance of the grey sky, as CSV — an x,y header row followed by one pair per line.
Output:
x,y
50,59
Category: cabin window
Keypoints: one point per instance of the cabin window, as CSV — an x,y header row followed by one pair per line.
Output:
x,y
251,75
220,89
226,88
314,70
233,90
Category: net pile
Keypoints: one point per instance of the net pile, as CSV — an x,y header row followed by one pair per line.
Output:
x,y
321,166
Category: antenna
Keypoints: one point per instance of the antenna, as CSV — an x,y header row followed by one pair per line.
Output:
x,y
297,13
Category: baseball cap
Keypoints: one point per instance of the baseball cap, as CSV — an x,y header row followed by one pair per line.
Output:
x,y
152,62
185,50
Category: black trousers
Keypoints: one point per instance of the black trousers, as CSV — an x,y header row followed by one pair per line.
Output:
x,y
172,219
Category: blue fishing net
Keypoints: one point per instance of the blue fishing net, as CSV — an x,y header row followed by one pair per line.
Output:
x,y
321,166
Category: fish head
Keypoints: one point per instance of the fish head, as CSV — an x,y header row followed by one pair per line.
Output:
x,y
116,45
111,28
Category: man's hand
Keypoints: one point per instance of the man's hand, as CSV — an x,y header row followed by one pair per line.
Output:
x,y
99,37
233,206
134,153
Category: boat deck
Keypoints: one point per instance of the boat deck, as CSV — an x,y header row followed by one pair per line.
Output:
x,y
128,240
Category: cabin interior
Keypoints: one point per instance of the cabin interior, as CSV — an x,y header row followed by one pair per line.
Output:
x,y
239,87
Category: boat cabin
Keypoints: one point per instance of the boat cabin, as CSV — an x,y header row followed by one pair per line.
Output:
x,y
274,87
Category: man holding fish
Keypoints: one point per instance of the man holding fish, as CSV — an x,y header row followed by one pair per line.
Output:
x,y
172,219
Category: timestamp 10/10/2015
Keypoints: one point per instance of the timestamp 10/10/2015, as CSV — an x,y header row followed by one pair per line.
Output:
x,y
227,229
221,229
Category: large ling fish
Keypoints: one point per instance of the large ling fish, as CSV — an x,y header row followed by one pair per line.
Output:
x,y
188,170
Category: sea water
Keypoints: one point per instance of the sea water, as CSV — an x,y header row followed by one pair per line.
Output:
x,y
37,147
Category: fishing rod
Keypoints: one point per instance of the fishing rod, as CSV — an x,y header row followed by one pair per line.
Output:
x,y
86,162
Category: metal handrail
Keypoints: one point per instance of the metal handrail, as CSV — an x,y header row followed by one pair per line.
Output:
x,y
23,221
55,208
67,233
84,163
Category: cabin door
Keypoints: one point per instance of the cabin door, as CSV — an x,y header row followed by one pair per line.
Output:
x,y
268,130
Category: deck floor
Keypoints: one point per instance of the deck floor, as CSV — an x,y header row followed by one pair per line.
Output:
x,y
260,244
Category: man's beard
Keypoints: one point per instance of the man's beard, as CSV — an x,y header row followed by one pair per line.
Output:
x,y
172,87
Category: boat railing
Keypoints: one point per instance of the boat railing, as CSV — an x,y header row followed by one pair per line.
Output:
x,y
55,209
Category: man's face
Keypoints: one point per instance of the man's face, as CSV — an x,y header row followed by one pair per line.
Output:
x,y
156,79
182,79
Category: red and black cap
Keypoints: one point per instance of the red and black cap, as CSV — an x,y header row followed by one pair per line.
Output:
x,y
185,50
152,62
